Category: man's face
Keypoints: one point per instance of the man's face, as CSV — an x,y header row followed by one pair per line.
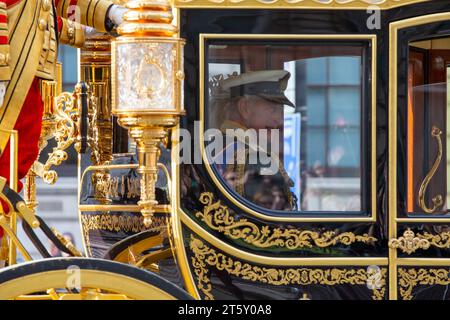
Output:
x,y
263,114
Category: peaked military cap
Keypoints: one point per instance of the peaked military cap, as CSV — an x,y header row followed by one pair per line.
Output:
x,y
269,85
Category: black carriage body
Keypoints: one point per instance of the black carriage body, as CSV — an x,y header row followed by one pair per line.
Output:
x,y
233,253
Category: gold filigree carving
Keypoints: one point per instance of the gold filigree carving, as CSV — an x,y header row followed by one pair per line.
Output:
x,y
117,223
109,222
205,257
65,132
441,240
409,242
410,278
121,187
217,217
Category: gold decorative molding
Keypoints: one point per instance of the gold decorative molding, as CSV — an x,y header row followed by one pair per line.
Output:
x,y
205,257
117,223
295,4
409,242
217,217
410,278
109,222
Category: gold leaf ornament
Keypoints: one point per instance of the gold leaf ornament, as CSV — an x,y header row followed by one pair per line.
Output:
x,y
205,257
217,217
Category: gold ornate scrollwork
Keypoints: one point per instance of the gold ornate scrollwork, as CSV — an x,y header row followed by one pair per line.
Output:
x,y
437,200
409,242
205,257
65,132
217,217
410,278
441,240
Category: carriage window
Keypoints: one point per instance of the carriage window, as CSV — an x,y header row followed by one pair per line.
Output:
x,y
428,119
283,123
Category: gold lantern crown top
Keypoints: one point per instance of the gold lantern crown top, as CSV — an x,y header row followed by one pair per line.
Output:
x,y
148,18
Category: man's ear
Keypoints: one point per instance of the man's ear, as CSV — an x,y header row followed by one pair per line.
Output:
x,y
243,107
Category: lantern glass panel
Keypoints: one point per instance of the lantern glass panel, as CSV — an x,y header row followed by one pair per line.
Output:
x,y
145,76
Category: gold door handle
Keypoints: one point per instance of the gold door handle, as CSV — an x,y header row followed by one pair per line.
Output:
x,y
409,243
438,200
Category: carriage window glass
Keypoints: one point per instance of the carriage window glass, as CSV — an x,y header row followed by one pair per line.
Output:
x,y
283,123
428,128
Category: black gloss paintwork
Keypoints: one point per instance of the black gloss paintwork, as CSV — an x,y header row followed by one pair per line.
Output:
x,y
330,22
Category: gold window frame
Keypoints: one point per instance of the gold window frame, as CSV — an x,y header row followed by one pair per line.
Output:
x,y
373,85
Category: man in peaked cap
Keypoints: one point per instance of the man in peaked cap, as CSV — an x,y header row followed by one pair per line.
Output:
x,y
254,100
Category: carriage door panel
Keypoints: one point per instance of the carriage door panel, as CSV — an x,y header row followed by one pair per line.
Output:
x,y
313,228
419,125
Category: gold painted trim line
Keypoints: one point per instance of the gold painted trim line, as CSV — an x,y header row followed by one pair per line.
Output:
x,y
295,4
219,183
431,262
274,261
435,219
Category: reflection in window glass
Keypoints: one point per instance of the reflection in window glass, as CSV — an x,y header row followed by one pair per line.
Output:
x,y
308,98
427,128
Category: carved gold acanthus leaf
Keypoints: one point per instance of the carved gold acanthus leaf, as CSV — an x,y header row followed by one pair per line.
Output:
x,y
217,217
300,4
410,278
205,257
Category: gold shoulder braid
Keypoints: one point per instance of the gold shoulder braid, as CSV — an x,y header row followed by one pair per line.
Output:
x,y
239,164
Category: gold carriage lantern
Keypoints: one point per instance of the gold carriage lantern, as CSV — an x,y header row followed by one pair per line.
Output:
x,y
147,85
